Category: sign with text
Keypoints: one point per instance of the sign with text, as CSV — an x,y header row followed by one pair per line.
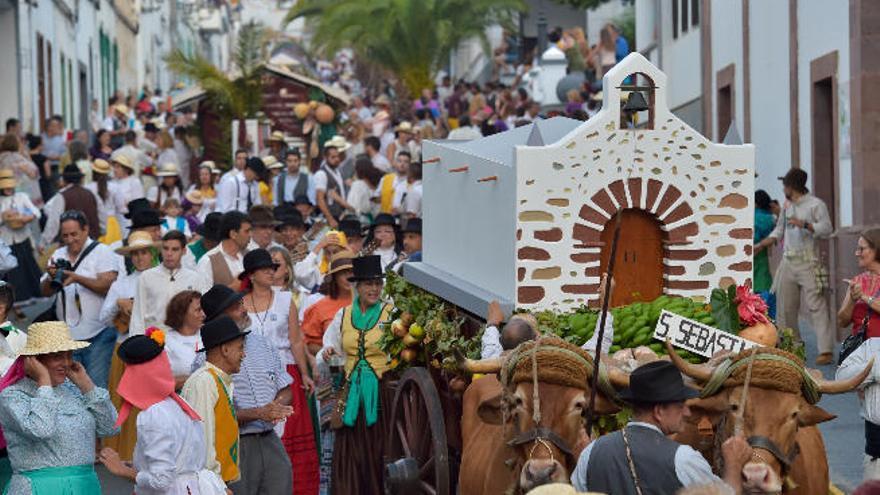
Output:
x,y
696,337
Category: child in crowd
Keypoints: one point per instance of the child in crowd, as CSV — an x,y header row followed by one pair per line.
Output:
x,y
174,219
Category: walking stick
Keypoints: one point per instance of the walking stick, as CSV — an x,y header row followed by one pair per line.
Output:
x,y
602,318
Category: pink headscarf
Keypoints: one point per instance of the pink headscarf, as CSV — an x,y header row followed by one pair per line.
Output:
x,y
145,384
12,376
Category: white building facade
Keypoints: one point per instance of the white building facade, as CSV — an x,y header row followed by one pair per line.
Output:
x,y
797,78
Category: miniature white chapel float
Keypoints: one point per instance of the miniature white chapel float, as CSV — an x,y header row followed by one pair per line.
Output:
x,y
526,216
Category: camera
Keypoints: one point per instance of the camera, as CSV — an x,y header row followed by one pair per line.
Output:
x,y
57,282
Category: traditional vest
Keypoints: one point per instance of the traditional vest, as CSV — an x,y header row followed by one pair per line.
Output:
x,y
220,269
300,189
351,343
225,432
335,209
386,193
77,197
653,455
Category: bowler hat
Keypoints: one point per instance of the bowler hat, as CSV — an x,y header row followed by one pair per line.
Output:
x,y
657,382
261,216
210,228
291,218
217,300
136,205
413,226
145,218
384,219
302,199
366,268
71,173
139,349
795,178
220,331
255,260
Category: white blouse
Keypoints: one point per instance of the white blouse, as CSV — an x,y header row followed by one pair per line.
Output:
x,y
272,324
169,455
124,191
182,351
21,203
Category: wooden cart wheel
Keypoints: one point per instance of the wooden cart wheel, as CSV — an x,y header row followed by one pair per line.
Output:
x,y
417,460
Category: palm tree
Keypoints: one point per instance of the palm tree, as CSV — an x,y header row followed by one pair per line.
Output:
x,y
410,38
232,96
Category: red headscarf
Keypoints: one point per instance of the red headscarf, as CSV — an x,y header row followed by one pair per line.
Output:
x,y
12,376
145,384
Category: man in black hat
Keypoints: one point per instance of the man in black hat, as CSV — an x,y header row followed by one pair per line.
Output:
x,y
290,228
354,232
412,239
306,208
640,458
262,399
73,196
209,237
209,391
143,219
803,221
242,191
263,225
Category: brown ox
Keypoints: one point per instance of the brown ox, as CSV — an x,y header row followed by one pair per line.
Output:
x,y
789,454
519,454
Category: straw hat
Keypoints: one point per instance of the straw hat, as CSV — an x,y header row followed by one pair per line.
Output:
x,y
121,109
138,240
277,136
381,115
168,170
47,337
101,166
272,163
7,179
404,126
382,100
339,143
123,160
195,197
208,164
340,261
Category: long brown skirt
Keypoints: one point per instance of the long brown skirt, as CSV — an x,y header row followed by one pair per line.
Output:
x,y
127,437
359,451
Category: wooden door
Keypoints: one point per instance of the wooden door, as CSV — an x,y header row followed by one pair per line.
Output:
x,y
638,269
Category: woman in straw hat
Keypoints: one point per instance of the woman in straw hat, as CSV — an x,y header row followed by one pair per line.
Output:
x,y
116,312
170,454
103,189
170,185
16,212
51,413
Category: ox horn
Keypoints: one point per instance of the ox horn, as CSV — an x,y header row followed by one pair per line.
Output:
x,y
698,373
841,386
484,366
619,379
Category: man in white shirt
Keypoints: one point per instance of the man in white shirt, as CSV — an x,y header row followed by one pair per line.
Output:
x,y
329,182
237,169
73,197
242,191
156,286
372,145
81,292
222,264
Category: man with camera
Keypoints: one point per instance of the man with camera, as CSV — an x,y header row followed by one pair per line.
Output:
x,y
81,272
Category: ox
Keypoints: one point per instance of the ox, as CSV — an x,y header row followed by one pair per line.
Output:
x,y
789,454
504,449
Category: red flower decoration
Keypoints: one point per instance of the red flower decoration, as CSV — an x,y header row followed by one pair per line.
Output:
x,y
751,307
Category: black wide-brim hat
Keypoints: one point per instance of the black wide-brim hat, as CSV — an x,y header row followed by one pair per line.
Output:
x,y
138,349
71,173
384,219
255,260
351,227
210,229
657,382
413,226
137,205
220,331
366,268
217,300
145,218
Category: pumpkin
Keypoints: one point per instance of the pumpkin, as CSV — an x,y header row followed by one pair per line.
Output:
x,y
324,114
761,333
301,110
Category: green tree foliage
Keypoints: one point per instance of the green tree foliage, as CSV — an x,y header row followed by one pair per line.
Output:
x,y
410,38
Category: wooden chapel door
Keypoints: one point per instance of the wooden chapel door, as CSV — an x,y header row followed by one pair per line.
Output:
x,y
638,269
